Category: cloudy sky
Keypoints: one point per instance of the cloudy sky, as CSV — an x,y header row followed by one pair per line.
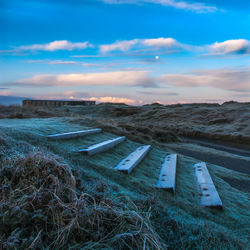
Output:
x,y
132,51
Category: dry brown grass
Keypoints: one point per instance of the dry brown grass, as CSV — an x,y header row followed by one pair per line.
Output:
x,y
19,112
41,208
228,122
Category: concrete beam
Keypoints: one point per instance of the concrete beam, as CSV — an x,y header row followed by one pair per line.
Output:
x,y
209,196
75,134
103,146
168,172
133,159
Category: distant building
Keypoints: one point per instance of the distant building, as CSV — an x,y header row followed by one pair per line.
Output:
x,y
55,103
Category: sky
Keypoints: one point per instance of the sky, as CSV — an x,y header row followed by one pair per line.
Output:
x,y
130,51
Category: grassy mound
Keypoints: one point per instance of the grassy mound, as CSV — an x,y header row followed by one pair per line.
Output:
x,y
40,207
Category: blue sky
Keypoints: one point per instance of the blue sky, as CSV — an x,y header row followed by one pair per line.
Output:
x,y
133,51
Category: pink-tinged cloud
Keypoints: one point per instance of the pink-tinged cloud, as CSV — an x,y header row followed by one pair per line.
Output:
x,y
117,78
74,95
227,79
64,95
114,100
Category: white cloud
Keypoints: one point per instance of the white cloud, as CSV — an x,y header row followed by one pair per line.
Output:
x,y
227,79
237,46
61,62
56,45
52,46
195,7
118,78
136,47
160,42
53,62
126,45
118,45
170,45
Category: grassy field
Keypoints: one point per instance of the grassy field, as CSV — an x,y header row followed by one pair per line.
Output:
x,y
54,197
228,123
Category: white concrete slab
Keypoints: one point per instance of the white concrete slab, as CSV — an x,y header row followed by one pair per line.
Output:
x,y
168,172
103,146
209,196
75,134
133,159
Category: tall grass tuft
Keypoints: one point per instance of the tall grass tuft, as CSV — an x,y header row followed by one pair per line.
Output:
x,y
41,208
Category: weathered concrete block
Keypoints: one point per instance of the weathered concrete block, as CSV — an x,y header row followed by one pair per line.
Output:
x,y
75,134
103,146
209,195
168,172
132,160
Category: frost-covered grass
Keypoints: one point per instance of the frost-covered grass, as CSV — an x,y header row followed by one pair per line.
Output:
x,y
138,213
